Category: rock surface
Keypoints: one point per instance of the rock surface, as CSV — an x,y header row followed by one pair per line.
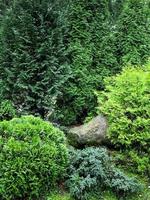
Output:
x,y
91,133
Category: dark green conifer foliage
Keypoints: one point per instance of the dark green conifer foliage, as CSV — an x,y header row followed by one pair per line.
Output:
x,y
116,8
91,58
54,54
133,32
32,55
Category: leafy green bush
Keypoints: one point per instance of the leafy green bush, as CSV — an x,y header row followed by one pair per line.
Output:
x,y
125,102
91,169
7,110
133,161
33,156
140,162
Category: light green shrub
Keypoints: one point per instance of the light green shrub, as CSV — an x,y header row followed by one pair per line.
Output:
x,y
59,196
125,102
33,156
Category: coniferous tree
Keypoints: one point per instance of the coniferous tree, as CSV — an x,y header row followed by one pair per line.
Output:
x,y
54,54
116,8
91,58
133,32
32,55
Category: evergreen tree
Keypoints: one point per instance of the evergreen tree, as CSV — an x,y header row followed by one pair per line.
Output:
x,y
116,8
32,54
91,57
133,32
4,5
54,54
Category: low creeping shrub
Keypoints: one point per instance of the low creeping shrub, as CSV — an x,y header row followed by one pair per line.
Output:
x,y
91,169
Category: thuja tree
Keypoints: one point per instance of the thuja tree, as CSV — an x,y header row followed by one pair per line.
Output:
x,y
133,30
32,54
4,5
53,54
91,58
116,7
103,36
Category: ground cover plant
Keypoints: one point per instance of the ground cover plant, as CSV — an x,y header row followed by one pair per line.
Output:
x,y
91,169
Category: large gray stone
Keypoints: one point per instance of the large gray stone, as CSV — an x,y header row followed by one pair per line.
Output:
x,y
91,133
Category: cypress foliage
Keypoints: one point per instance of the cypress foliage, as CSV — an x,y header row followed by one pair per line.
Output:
x,y
33,61
4,5
116,7
90,56
133,32
54,54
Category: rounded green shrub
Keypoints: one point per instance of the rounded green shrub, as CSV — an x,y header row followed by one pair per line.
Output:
x,y
33,156
126,103
92,170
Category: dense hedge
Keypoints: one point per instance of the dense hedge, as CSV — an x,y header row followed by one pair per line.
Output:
x,y
53,54
125,102
33,156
